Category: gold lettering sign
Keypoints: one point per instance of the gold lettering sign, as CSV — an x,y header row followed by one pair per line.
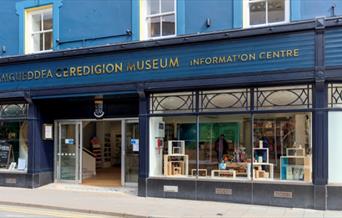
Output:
x,y
153,64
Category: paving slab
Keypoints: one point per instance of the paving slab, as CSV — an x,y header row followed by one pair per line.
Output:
x,y
125,203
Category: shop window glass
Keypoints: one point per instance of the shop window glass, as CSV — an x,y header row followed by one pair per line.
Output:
x,y
160,17
39,30
173,103
288,97
282,147
335,147
264,12
225,100
225,147
13,146
335,95
173,146
13,111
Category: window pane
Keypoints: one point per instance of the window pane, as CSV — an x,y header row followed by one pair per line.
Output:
x,y
225,147
14,145
168,25
173,146
282,146
152,7
47,21
225,100
167,5
257,13
286,97
179,102
36,23
37,42
335,148
154,27
276,11
48,41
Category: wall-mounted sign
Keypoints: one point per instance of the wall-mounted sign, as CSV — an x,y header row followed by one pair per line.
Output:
x,y
69,141
211,58
47,131
135,144
98,113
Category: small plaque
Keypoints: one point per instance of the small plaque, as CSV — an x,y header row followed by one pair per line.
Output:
x,y
169,188
47,131
223,191
281,194
11,180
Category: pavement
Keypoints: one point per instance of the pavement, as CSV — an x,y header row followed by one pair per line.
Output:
x,y
123,202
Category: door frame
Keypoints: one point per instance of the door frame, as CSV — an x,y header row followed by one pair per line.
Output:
x,y
79,148
123,122
123,151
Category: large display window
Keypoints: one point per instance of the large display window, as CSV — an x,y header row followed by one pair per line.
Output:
x,y
173,146
13,138
225,146
282,147
241,134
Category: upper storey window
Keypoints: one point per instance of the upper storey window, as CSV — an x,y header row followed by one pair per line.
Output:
x,y
265,12
159,18
38,30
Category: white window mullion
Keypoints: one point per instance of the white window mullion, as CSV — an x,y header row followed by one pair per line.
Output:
x,y
266,14
161,26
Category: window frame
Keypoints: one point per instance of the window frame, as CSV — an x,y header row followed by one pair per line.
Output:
x,y
29,32
246,14
144,31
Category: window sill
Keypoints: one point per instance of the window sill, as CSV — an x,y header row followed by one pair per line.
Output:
x,y
242,180
265,25
13,171
159,37
39,52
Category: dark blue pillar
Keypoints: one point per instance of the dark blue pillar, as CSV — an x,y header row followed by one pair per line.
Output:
x,y
40,156
143,143
320,122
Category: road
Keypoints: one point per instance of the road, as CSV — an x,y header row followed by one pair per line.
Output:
x,y
33,212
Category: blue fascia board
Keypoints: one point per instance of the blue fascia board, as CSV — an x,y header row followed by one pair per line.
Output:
x,y
23,5
237,14
83,94
180,17
295,10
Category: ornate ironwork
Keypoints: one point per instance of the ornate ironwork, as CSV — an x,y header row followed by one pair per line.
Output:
x,y
335,95
224,100
290,97
173,102
13,111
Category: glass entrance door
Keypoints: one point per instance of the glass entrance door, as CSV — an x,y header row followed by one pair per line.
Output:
x,y
131,150
68,153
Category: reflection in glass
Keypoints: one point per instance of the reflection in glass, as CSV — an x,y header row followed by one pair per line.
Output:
x,y
257,13
167,6
154,27
225,146
282,144
173,146
48,41
168,23
276,11
14,134
152,7
36,23
37,42
47,24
